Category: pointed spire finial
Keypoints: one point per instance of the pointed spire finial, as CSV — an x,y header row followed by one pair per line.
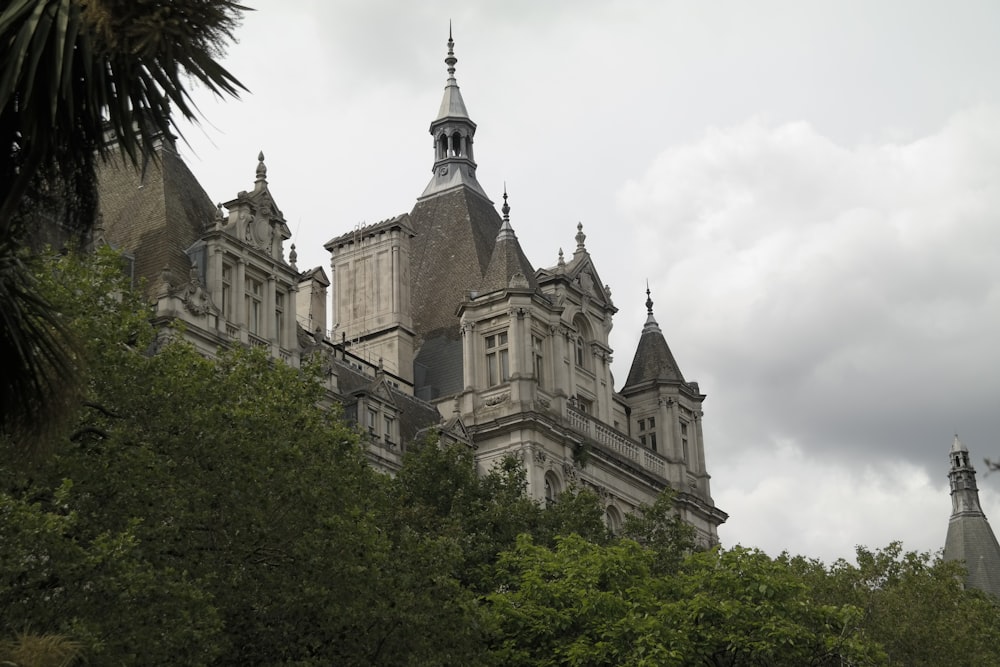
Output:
x,y
580,237
649,301
293,257
506,207
562,260
450,60
261,167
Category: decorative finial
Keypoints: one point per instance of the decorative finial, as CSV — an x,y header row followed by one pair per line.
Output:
x,y
562,261
293,257
649,300
451,59
261,167
580,237
506,207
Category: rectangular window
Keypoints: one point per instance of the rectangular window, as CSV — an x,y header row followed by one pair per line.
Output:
x,y
372,420
652,441
387,434
255,304
652,423
642,424
684,449
227,291
539,360
497,358
586,406
642,440
684,428
279,317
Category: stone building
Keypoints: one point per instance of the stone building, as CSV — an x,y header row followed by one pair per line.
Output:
x,y
970,537
439,322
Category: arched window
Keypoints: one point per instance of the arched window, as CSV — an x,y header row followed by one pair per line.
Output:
x,y
552,488
613,519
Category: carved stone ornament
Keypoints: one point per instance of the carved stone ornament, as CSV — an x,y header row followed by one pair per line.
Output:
x,y
195,298
570,471
497,399
540,458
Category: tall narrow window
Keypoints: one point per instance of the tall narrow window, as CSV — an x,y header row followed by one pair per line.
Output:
x,y
255,304
539,360
372,420
684,441
279,317
227,291
497,358
387,434
580,356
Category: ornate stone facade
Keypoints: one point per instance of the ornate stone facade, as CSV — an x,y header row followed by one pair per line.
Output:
x,y
438,321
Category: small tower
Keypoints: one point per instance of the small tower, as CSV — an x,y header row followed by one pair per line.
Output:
x,y
970,538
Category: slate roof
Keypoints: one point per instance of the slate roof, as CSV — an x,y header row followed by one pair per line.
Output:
x,y
154,213
653,361
415,415
971,539
508,259
455,232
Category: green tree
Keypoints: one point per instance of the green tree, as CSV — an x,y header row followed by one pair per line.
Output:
x,y
73,75
209,512
913,604
587,604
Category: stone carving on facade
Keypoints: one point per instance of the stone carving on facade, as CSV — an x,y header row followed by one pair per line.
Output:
x,y
570,472
497,399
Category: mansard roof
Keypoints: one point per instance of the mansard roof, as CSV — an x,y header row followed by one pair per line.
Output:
x,y
653,361
155,212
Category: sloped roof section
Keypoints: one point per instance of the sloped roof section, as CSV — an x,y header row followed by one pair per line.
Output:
x,y
508,259
971,539
455,233
155,212
653,361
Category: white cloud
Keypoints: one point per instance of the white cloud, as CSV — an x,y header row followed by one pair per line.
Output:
x,y
844,298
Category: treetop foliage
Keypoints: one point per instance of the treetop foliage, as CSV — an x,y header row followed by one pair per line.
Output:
x,y
207,512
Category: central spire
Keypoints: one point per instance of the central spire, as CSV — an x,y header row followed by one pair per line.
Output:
x,y
453,132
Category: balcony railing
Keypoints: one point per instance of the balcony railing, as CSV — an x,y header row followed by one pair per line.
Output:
x,y
615,441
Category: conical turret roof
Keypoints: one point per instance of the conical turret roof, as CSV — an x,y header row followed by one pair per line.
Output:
x,y
508,267
653,361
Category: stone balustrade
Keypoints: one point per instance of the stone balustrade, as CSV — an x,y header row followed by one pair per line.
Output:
x,y
616,441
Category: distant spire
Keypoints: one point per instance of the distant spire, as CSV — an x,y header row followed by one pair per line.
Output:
x,y
506,207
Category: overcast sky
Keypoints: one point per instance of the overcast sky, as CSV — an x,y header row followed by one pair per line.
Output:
x,y
812,190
